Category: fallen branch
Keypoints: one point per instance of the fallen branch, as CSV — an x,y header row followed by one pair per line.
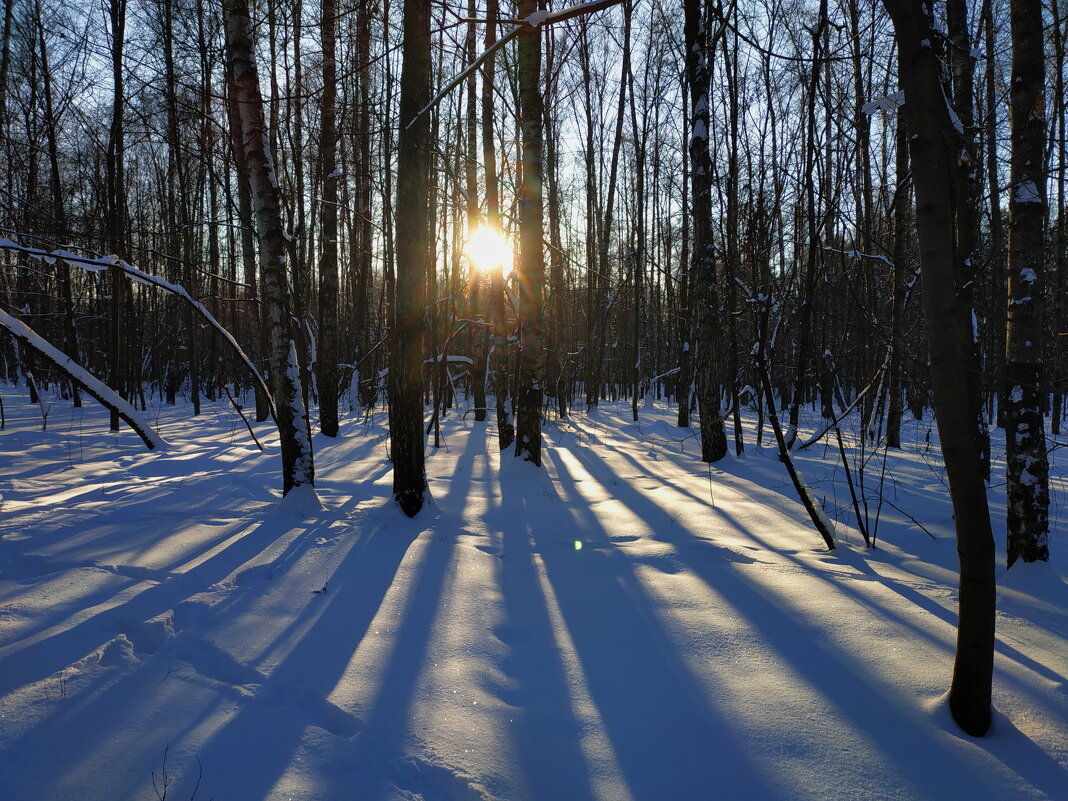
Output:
x,y
244,419
812,506
845,413
96,265
105,395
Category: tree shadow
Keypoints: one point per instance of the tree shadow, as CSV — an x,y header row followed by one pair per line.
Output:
x,y
669,740
548,734
252,748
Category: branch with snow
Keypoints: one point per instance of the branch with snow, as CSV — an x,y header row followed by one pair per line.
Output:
x,y
106,262
107,397
891,103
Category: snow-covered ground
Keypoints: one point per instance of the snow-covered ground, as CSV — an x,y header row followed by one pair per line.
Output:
x,y
624,624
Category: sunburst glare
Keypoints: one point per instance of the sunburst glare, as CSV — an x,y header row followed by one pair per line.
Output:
x,y
489,249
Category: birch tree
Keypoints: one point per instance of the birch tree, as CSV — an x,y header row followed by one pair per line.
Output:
x,y
705,294
1025,434
298,468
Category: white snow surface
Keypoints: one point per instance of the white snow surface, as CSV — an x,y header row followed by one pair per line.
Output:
x,y
625,623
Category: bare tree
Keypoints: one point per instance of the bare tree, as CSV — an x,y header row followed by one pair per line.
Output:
x,y
406,338
530,368
1025,432
298,468
935,146
328,232
705,293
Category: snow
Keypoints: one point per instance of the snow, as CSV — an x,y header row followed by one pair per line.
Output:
x,y
160,613
537,18
1027,192
891,103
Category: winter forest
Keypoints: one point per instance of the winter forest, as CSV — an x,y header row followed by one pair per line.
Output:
x,y
517,401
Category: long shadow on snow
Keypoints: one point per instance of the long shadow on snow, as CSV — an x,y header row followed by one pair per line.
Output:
x,y
669,741
548,735
388,720
827,670
600,470
252,746
835,674
44,657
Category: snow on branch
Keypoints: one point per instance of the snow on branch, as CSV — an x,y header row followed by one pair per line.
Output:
x,y
105,262
92,385
889,103
856,254
439,358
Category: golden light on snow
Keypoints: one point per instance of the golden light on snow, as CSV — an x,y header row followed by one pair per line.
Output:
x,y
488,249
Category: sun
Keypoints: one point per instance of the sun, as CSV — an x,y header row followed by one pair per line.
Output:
x,y
488,249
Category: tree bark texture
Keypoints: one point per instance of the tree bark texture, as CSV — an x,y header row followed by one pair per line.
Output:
x,y
295,442
705,292
409,327
328,280
1027,466
530,368
935,146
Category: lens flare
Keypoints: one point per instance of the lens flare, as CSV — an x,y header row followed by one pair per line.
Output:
x,y
488,249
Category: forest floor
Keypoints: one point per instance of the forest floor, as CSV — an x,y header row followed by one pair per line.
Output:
x,y
625,623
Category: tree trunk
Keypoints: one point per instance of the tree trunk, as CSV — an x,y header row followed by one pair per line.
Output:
x,y
897,340
935,146
328,339
406,340
59,212
499,339
530,368
685,377
962,67
117,206
477,335
698,48
1027,465
295,441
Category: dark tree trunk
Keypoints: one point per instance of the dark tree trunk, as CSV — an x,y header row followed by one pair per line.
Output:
x,y
406,340
685,377
116,206
897,340
59,212
530,368
328,280
962,68
698,48
935,147
477,335
498,324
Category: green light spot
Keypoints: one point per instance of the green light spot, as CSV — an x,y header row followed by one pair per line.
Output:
x,y
578,545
